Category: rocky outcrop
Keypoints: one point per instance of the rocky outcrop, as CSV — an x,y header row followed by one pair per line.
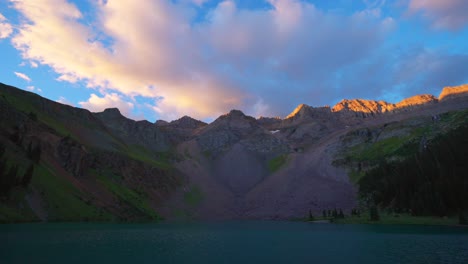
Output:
x,y
187,122
161,123
142,133
303,112
362,108
270,123
454,92
236,127
73,156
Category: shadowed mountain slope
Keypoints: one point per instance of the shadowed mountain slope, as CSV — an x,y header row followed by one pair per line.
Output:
x,y
63,163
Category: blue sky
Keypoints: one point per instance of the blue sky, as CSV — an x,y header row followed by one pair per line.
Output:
x,y
163,59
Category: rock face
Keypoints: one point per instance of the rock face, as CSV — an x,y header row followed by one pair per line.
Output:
x,y
364,108
454,92
73,156
235,127
187,122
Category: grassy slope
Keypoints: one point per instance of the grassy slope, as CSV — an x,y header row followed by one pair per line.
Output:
x,y
134,198
399,147
395,148
63,201
276,163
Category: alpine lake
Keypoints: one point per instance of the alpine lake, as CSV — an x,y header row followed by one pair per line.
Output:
x,y
231,242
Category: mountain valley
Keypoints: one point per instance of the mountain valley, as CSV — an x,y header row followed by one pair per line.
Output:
x,y
60,163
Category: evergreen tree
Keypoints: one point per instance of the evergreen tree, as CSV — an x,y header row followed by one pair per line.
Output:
x,y
335,213
461,218
311,217
329,213
374,213
8,181
340,214
32,116
27,176
324,214
2,150
34,153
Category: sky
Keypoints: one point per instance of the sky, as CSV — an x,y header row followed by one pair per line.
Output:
x,y
163,59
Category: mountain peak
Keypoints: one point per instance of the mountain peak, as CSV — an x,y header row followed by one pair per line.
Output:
x,y
298,110
416,100
453,92
187,122
363,106
112,110
111,113
235,112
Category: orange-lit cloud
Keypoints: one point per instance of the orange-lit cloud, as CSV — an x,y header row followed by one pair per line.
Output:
x,y
5,28
235,58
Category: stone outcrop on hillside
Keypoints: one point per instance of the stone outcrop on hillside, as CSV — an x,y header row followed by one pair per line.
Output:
x,y
236,127
454,92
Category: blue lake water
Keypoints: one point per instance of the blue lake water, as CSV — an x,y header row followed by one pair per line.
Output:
x,y
231,242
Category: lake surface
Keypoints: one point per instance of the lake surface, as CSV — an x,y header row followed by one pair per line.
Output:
x,y
231,242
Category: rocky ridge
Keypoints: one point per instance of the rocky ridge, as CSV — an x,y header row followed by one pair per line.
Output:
x,y
235,167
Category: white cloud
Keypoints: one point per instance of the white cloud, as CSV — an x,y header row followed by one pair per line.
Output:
x,y
235,58
67,78
5,28
112,100
444,14
65,101
22,76
33,88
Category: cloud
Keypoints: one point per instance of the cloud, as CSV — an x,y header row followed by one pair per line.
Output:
x,y
65,101
67,78
112,100
396,73
443,14
22,76
5,28
262,61
33,88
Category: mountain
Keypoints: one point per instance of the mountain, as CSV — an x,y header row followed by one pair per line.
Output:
x,y
60,163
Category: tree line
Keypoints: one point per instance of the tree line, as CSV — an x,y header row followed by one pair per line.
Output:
x,y
432,181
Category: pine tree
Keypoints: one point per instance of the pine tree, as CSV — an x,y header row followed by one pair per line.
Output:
x,y
311,217
324,214
8,181
461,218
335,213
340,214
27,176
34,153
374,213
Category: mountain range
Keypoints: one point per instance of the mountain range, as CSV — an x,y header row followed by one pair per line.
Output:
x,y
61,163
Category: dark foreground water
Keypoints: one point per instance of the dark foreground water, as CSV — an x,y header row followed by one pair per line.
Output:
x,y
231,242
